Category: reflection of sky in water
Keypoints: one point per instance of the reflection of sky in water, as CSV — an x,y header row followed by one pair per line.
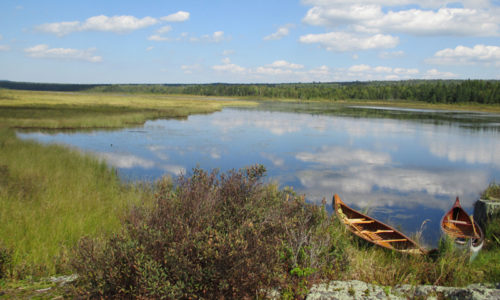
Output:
x,y
403,172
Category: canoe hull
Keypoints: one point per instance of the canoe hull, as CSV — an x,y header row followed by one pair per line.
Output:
x,y
373,230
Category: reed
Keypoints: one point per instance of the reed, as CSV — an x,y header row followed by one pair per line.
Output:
x,y
50,196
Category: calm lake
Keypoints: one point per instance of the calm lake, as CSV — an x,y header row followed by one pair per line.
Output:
x,y
402,166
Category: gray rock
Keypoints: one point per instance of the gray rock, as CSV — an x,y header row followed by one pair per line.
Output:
x,y
355,289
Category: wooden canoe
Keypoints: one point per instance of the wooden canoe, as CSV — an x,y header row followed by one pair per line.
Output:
x,y
374,231
457,224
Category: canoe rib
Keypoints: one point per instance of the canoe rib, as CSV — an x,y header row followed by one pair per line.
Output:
x,y
456,223
373,230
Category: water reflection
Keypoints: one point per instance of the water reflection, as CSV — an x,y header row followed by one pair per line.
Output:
x,y
403,170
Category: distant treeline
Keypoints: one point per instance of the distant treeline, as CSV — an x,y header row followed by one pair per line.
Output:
x,y
434,91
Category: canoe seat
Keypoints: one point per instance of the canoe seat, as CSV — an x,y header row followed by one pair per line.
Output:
x,y
394,240
457,222
378,231
360,221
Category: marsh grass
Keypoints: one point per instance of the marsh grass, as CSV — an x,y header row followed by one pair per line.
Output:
x,y
50,196
57,110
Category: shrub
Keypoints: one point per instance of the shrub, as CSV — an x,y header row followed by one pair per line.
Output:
x,y
5,261
211,235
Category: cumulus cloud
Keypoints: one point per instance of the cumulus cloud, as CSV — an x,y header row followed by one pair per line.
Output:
x,y
216,37
280,33
391,54
227,66
343,41
431,18
43,51
462,55
436,74
116,24
180,16
158,38
380,72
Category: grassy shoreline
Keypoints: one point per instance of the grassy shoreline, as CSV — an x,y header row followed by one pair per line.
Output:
x,y
51,196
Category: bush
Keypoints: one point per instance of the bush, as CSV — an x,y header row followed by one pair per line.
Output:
x,y
212,235
5,261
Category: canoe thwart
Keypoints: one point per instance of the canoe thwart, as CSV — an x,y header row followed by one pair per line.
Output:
x,y
457,222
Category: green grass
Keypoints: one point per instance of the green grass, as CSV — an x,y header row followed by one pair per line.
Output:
x,y
56,110
50,197
492,192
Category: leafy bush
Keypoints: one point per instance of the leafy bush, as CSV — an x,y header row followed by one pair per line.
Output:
x,y
212,235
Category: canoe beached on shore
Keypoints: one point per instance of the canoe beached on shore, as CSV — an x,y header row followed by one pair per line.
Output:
x,y
374,231
457,224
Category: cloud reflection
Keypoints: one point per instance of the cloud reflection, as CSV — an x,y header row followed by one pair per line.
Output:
x,y
471,151
125,161
336,156
370,179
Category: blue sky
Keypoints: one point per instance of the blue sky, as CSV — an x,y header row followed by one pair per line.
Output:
x,y
248,41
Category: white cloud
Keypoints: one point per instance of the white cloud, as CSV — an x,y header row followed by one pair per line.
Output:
x,y
474,19
228,52
462,55
280,33
436,74
116,24
190,69
344,41
380,72
164,29
286,65
158,38
180,16
227,66
174,169
218,36
4,47
150,48
43,51
61,28
391,54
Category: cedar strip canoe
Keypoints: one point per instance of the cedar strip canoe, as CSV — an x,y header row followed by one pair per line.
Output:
x,y
457,224
374,231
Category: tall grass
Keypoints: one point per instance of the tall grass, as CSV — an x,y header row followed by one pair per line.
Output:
x,y
56,110
50,196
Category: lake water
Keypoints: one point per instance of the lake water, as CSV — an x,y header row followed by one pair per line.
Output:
x,y
401,166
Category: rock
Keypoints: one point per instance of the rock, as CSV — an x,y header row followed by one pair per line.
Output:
x,y
355,289
485,210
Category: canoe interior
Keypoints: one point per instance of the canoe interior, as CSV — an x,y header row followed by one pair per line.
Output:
x,y
372,230
457,224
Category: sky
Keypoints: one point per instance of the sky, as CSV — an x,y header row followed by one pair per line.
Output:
x,y
258,41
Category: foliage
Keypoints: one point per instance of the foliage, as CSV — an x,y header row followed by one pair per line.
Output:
x,y
492,192
5,261
432,91
211,236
